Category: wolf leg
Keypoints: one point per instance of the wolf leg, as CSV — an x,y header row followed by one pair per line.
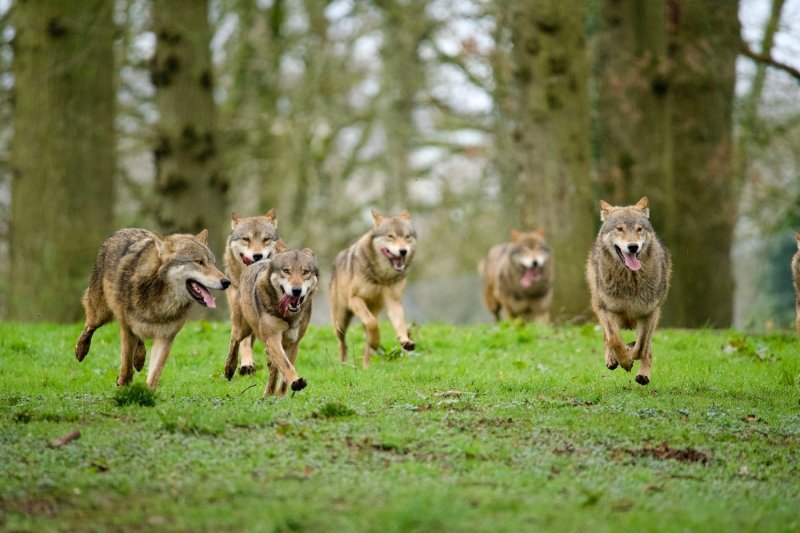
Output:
x,y
645,328
797,320
248,365
272,383
291,354
94,319
128,341
394,310
616,351
158,357
277,359
341,320
360,309
239,332
139,355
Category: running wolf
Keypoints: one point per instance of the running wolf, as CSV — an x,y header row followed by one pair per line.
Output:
x,y
252,239
148,283
371,274
628,271
275,304
796,280
518,277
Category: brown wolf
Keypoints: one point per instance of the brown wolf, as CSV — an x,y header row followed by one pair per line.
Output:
x,y
275,304
148,283
518,277
252,239
628,272
371,274
796,280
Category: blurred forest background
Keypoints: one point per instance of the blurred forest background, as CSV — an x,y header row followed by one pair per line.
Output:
x,y
477,115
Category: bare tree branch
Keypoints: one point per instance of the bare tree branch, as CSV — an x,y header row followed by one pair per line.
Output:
x,y
769,60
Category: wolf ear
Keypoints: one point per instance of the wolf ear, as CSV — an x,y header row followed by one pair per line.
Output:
x,y
235,220
605,210
376,216
641,205
161,246
309,251
272,216
405,214
203,236
515,235
797,238
540,231
280,246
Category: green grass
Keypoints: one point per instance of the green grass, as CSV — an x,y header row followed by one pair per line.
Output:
x,y
486,428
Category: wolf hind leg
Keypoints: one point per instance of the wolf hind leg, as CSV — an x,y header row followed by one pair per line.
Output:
x,y
128,342
139,354
341,321
97,315
248,365
362,311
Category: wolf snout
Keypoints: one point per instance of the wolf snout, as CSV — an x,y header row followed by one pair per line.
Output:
x,y
225,283
297,291
258,257
633,248
402,252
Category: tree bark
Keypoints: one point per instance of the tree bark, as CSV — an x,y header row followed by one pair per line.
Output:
x,y
705,41
190,183
552,140
63,153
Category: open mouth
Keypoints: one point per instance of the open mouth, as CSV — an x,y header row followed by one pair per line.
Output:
x,y
200,293
289,304
631,261
397,261
246,260
531,276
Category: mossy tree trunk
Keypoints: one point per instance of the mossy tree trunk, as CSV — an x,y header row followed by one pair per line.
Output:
x,y
706,42
62,155
191,186
552,140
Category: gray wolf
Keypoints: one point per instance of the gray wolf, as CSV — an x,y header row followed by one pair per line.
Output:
x,y
518,277
796,281
147,282
628,271
371,275
274,303
252,239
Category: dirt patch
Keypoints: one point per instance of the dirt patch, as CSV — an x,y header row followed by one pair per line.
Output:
x,y
29,506
664,452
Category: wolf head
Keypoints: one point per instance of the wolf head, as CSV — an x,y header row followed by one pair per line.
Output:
x,y
187,264
530,252
395,238
254,238
294,276
627,231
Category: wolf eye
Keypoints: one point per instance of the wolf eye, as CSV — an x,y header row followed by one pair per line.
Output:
x,y
287,271
201,262
267,240
639,229
620,229
306,272
392,236
246,239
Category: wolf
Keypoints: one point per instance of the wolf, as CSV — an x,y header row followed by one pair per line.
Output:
x,y
796,281
628,271
252,239
518,277
274,303
148,283
371,275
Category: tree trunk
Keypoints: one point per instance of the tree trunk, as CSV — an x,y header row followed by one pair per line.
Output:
x,y
63,153
190,184
705,40
552,140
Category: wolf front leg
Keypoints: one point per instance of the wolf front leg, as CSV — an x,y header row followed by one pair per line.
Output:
x,y
248,365
128,342
394,310
271,334
643,348
361,310
158,357
616,351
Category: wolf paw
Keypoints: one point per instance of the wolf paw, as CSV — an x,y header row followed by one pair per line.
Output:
x,y
299,384
409,345
247,369
229,372
642,380
612,366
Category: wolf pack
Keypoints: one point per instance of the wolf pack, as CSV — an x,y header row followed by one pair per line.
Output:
x,y
149,282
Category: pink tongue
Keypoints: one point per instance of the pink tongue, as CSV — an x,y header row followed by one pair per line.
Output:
x,y
527,278
207,298
246,260
631,261
285,302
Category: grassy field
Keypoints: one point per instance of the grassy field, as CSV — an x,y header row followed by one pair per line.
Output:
x,y
486,428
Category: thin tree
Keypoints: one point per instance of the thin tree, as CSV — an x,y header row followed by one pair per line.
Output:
x,y
62,153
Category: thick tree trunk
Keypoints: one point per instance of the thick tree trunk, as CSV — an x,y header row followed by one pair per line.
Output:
x,y
705,38
190,184
63,153
552,140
